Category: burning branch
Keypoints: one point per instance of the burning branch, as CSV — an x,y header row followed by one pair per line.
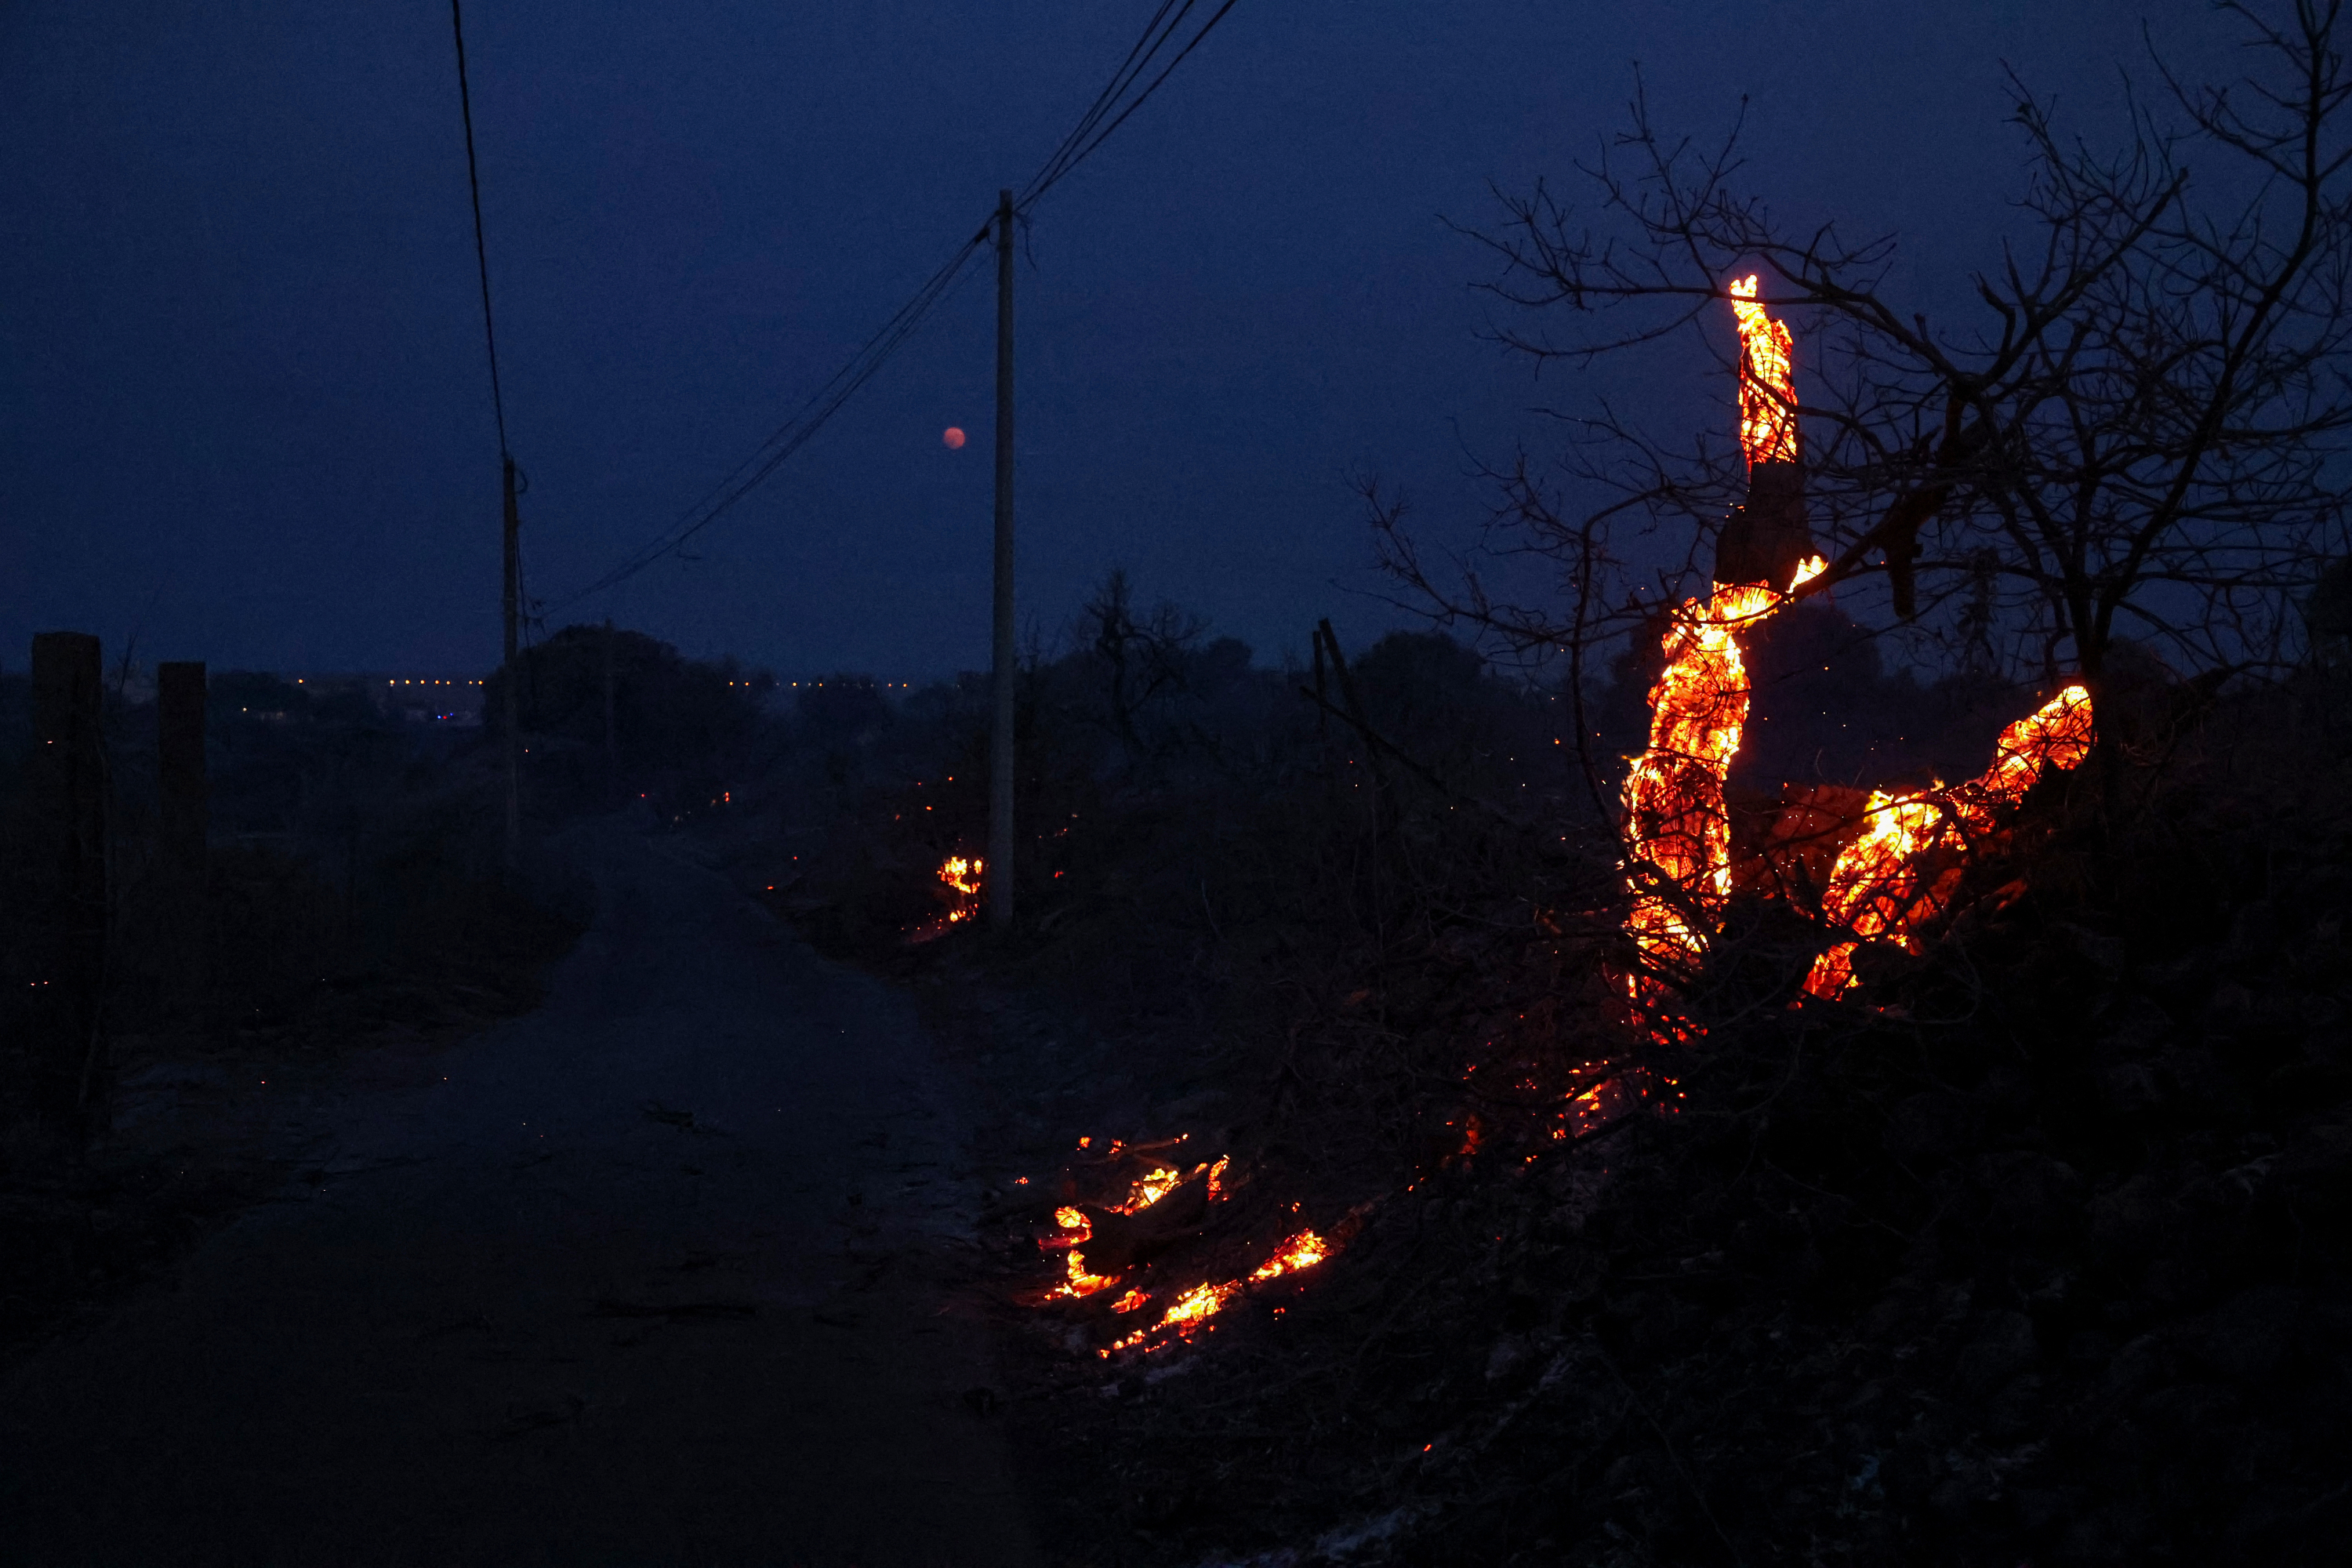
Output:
x,y
1888,883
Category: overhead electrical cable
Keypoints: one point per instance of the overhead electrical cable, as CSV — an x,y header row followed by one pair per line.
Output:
x,y
1107,111
795,432
1038,187
482,251
1155,34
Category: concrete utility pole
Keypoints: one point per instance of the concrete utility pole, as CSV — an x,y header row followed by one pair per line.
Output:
x,y
69,799
998,877
513,676
183,814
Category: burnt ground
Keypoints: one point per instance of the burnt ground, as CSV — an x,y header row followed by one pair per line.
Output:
x,y
661,1272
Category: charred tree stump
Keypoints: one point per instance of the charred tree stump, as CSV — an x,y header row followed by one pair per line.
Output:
x,y
184,820
1764,539
67,796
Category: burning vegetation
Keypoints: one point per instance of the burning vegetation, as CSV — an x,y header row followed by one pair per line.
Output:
x,y
960,877
1139,1232
958,894
1872,1286
1646,1114
1902,870
1155,1251
1678,834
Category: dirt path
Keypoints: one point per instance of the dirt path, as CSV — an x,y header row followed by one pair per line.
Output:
x,y
655,1275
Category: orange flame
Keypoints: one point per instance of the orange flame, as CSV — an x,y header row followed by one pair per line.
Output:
x,y
1154,1185
1880,886
1076,1230
1202,1301
1767,388
1080,1282
962,878
2058,735
1080,1230
1304,1250
1674,819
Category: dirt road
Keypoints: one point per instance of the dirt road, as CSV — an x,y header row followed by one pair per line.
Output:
x,y
655,1275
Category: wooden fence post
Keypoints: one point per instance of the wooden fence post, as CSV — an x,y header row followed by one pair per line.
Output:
x,y
184,820
68,776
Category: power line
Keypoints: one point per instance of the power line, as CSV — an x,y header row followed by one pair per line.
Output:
x,y
481,252
1109,111
1153,38
1053,176
795,432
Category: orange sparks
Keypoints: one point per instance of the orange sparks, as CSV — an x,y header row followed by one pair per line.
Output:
x,y
1767,388
1677,828
1882,885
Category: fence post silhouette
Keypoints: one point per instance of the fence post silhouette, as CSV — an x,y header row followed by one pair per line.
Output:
x,y
183,819
68,776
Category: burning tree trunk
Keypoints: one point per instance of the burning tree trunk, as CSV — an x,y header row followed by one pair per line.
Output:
x,y
1906,863
1766,538
1677,828
2130,423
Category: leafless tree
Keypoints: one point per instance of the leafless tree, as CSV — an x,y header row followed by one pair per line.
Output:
x,y
2135,436
1142,655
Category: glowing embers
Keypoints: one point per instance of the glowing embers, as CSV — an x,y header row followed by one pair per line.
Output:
x,y
1189,1311
1677,832
961,877
1903,871
1076,1230
958,889
1768,387
1162,1208
2059,734
1152,1187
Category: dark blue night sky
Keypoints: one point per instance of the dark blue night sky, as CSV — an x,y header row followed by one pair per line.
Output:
x,y
243,403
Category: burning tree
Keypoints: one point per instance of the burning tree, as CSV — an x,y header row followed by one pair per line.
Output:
x,y
2132,440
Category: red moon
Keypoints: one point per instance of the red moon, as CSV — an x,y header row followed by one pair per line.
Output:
x,y
954,437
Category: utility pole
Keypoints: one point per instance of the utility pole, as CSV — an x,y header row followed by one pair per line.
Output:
x,y
998,877
513,676
612,736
